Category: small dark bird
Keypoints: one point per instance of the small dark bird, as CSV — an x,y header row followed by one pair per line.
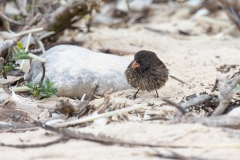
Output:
x,y
146,72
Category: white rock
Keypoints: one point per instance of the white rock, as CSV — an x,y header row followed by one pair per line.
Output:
x,y
76,70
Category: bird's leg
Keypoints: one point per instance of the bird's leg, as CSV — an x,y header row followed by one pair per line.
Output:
x,y
157,93
135,95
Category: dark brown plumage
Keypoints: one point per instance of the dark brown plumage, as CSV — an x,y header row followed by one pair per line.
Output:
x,y
146,72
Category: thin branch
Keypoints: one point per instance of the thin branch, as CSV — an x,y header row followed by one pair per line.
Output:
x,y
225,94
28,41
43,72
177,79
55,20
6,24
28,31
198,100
213,21
35,19
3,16
108,140
179,107
62,139
106,104
84,107
215,85
1,63
108,114
173,156
20,129
39,42
21,7
36,51
36,57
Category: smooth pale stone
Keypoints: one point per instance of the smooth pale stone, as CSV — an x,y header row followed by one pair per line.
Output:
x,y
76,70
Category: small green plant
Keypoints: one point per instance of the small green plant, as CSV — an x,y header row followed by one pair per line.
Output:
x,y
9,66
43,89
18,53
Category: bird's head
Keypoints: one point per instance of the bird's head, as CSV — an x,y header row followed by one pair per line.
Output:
x,y
143,60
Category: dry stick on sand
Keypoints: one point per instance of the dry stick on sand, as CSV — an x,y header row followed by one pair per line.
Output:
x,y
68,133
215,85
106,104
198,100
218,121
177,79
83,109
108,114
179,107
61,139
213,21
173,155
225,93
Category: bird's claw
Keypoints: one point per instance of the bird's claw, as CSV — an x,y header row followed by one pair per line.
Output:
x,y
134,97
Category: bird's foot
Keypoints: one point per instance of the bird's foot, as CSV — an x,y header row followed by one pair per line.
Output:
x,y
134,97
131,97
157,94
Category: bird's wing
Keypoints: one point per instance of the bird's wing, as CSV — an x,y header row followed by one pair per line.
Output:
x,y
159,63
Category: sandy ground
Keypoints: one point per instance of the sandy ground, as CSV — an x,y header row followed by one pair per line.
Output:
x,y
191,58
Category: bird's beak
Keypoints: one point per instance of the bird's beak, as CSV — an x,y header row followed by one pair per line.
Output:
x,y
135,65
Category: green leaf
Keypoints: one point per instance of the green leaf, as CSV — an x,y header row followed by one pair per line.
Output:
x,y
20,53
45,89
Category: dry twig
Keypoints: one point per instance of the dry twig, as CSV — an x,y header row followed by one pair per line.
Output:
x,y
43,72
225,95
177,79
34,20
179,107
63,15
3,16
41,45
21,8
108,114
35,145
215,85
198,100
106,104
83,108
